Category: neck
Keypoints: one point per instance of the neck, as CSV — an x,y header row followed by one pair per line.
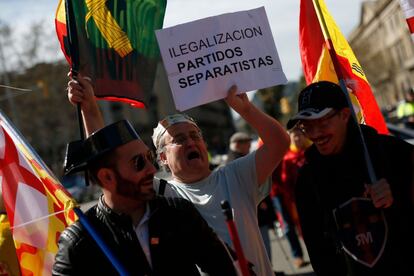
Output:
x,y
188,179
125,206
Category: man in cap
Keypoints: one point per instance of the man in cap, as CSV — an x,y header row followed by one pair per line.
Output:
x,y
148,235
244,183
335,172
239,146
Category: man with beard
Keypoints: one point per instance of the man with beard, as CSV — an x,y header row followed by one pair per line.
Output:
x,y
148,235
335,172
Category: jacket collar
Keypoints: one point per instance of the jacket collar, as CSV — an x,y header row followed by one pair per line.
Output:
x,y
111,214
103,208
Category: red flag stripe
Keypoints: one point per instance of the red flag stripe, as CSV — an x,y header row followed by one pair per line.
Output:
x,y
13,174
410,22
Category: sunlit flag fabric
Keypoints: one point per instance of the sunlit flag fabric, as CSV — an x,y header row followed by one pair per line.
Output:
x,y
408,8
317,63
38,207
116,45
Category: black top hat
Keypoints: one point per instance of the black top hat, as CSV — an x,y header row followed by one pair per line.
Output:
x,y
79,154
318,99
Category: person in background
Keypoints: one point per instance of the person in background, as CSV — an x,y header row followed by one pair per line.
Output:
x,y
335,171
266,218
240,143
405,110
282,192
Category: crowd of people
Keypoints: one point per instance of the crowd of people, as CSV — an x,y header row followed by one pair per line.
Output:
x,y
344,189
319,168
182,151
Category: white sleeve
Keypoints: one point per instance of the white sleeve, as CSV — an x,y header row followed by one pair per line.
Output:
x,y
242,178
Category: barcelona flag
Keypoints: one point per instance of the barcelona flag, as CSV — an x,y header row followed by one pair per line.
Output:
x,y
326,55
37,205
113,42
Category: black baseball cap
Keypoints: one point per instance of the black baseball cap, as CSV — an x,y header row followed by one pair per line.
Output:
x,y
318,99
79,154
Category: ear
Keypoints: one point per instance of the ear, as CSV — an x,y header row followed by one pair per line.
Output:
x,y
163,158
346,113
106,177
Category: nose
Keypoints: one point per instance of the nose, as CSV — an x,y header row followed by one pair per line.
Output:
x,y
190,141
150,168
312,132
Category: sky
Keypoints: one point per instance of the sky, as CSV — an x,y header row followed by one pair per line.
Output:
x,y
283,16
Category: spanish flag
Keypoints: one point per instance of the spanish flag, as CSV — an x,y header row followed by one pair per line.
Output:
x,y
326,55
38,207
113,43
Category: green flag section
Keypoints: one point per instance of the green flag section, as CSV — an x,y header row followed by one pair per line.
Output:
x,y
115,45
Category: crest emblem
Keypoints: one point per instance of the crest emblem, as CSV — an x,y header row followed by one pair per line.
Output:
x,y
362,230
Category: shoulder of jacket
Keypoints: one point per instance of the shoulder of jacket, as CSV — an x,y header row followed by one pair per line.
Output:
x,y
75,232
172,202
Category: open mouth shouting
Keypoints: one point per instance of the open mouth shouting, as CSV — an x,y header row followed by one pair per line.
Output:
x,y
193,155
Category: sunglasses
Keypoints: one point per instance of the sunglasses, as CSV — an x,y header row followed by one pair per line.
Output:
x,y
140,160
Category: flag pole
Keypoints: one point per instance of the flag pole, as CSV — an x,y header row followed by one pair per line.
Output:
x,y
227,211
100,242
340,75
74,57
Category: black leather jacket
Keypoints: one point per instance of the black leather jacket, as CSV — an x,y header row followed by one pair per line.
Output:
x,y
179,239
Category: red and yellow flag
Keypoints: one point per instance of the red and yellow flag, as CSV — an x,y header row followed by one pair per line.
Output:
x,y
320,41
38,207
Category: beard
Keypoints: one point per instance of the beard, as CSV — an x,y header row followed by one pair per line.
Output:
x,y
134,190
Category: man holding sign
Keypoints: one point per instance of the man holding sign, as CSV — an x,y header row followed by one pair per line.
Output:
x,y
203,59
243,183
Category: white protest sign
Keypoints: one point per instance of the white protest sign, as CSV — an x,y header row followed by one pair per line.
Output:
x,y
204,58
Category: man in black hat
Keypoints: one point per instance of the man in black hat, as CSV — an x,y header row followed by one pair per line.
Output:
x,y
336,172
148,235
